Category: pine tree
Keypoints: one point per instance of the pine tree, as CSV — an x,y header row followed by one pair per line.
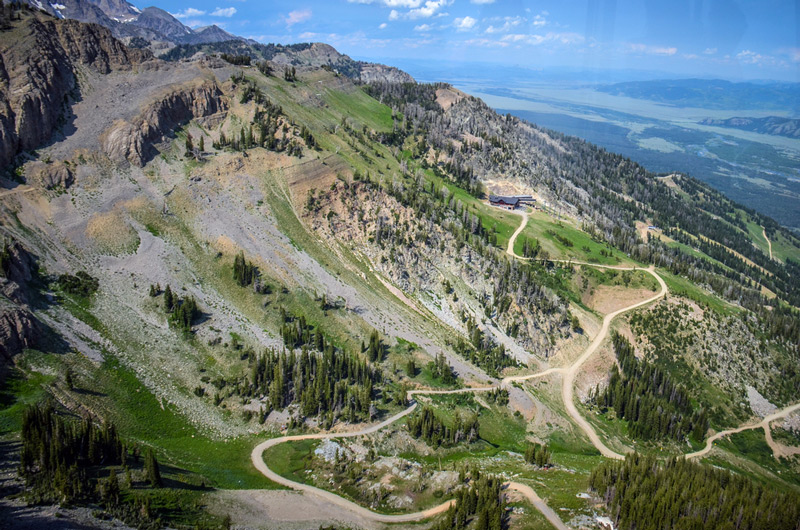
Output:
x,y
169,301
152,471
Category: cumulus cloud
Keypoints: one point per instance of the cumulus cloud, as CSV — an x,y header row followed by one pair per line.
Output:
x,y
710,51
757,59
652,50
539,21
422,10
297,16
482,2
423,27
464,23
509,23
383,25
550,37
189,12
227,12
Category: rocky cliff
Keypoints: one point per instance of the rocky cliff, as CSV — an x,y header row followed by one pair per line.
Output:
x,y
39,58
132,141
18,330
377,73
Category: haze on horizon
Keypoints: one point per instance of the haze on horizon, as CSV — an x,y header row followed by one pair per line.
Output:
x,y
736,40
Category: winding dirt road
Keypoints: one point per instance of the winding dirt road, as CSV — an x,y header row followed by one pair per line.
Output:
x,y
567,393
763,424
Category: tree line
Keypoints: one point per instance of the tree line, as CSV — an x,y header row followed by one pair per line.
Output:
x,y
435,432
642,493
644,395
480,506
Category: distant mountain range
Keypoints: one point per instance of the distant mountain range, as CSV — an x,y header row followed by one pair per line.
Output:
x,y
711,93
774,125
126,21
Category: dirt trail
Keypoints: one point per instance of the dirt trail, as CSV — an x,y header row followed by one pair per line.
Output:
x,y
763,424
769,243
539,504
567,390
18,189
258,461
510,249
567,394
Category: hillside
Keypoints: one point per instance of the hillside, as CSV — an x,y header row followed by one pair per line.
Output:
x,y
249,295
769,125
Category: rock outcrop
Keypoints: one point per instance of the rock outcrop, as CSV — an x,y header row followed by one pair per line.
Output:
x,y
132,141
49,176
38,61
376,73
18,330
17,267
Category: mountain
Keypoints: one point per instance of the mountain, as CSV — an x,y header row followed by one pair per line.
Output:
x,y
711,93
304,55
770,125
126,20
237,293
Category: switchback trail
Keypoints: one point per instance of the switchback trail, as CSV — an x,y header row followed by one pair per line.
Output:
x,y
567,393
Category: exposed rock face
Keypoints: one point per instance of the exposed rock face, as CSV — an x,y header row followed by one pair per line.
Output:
x,y
38,59
372,73
49,176
18,330
18,268
133,141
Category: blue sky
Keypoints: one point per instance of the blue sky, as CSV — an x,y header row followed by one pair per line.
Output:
x,y
720,38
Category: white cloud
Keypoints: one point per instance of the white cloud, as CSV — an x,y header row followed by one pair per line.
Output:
x,y
508,24
189,12
710,51
423,27
297,16
426,10
539,21
227,12
308,36
405,4
550,37
652,50
383,26
757,59
482,2
486,43
465,23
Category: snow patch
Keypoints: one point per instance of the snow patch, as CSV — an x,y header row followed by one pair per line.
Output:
x,y
135,9
58,6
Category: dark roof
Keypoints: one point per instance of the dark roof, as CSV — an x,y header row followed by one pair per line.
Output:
x,y
504,200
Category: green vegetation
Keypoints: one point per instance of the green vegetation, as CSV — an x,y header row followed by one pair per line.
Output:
x,y
653,404
291,459
81,284
642,493
480,506
436,433
70,463
538,455
330,383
